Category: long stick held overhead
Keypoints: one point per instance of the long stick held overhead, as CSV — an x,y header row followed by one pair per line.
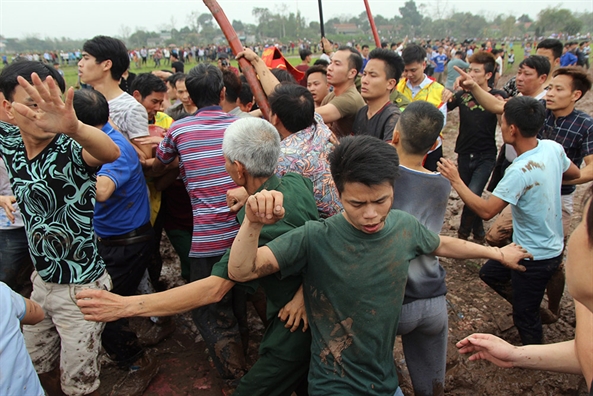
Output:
x,y
321,25
372,22
237,47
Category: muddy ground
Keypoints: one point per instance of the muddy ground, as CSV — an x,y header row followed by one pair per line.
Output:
x,y
473,307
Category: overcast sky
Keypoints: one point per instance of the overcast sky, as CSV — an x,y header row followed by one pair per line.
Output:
x,y
85,19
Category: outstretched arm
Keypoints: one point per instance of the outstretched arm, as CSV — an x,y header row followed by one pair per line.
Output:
x,y
485,208
247,261
559,357
103,306
59,117
509,255
488,102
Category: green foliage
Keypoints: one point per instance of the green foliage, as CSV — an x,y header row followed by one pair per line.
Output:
x,y
411,17
284,26
556,20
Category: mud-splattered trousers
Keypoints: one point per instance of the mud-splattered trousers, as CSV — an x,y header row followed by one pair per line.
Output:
x,y
222,324
64,334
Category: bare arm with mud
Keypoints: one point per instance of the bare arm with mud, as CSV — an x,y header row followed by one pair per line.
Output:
x,y
247,261
485,208
103,306
509,255
266,78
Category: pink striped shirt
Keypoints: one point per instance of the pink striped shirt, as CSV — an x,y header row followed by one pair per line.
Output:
x,y
197,140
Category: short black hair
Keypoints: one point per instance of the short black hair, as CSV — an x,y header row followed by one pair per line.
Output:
x,y
420,125
232,83
321,62
293,104
315,69
246,96
304,53
384,44
526,113
364,46
24,68
204,83
541,64
580,78
413,53
552,44
173,78
283,75
91,107
363,159
394,64
484,58
354,59
147,83
104,48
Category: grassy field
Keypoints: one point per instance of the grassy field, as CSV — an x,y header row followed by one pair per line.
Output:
x,y
71,72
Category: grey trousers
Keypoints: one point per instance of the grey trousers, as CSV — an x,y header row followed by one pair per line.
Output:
x,y
423,325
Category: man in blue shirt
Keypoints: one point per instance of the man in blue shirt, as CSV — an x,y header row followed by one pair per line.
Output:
x,y
440,60
124,236
531,186
569,58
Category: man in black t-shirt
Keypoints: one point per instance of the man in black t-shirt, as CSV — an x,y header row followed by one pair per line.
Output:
x,y
176,64
379,78
476,144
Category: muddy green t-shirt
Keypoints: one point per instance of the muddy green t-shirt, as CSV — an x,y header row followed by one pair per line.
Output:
x,y
354,287
299,206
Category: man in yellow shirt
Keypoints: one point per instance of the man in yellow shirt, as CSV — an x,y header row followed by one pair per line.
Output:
x,y
418,86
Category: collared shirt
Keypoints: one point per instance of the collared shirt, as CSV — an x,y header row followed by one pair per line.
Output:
x,y
574,132
427,85
305,152
197,140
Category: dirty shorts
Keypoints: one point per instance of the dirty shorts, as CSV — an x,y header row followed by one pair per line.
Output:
x,y
64,334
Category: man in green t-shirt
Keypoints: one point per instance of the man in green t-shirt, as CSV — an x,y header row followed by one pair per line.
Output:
x,y
354,267
251,147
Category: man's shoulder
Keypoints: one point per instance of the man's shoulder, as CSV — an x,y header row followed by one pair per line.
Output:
x,y
123,99
209,119
585,119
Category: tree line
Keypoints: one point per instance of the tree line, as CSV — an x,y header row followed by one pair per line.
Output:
x,y
283,25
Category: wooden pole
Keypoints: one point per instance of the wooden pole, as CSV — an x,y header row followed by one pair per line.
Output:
x,y
236,47
372,22
321,25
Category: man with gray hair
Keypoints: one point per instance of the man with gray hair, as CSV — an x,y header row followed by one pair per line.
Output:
x,y
251,148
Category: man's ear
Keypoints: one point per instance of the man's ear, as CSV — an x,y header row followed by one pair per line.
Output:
x,y
391,84
107,64
136,94
577,94
8,109
396,137
241,172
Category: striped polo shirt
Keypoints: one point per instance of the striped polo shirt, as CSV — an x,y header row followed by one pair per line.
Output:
x,y
197,140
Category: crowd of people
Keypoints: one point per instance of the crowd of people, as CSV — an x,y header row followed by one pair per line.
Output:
x,y
324,214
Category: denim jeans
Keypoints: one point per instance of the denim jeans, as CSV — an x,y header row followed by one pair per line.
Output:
x,y
524,290
15,262
474,170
